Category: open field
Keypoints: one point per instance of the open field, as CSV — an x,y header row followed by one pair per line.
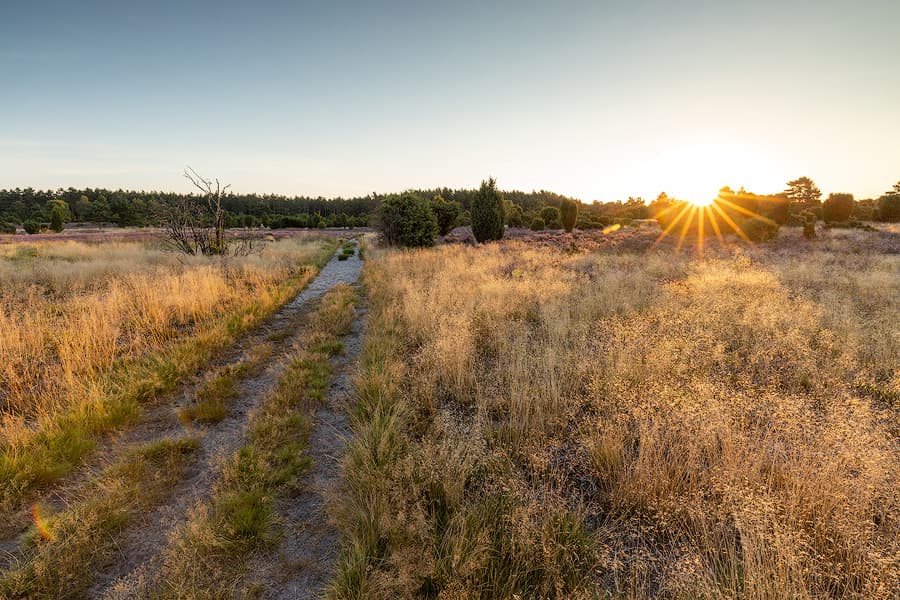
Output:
x,y
550,416
536,421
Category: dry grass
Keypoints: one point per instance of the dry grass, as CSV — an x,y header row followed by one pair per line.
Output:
x,y
64,548
70,310
90,332
553,425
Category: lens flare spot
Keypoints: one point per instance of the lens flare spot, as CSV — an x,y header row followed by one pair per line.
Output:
x,y
42,522
612,228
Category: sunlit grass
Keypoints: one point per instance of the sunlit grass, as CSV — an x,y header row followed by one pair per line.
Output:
x,y
83,355
626,425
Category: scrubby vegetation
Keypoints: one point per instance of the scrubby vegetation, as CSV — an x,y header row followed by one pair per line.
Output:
x,y
539,424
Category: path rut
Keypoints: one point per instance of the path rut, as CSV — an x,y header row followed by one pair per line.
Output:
x,y
304,562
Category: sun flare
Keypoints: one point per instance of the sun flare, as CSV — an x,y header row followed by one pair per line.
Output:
x,y
703,200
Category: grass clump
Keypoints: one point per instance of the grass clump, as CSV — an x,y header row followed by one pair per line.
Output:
x,y
348,249
211,398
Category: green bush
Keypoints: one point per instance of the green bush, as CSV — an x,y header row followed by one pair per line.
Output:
x,y
32,227
7,227
59,214
488,214
537,224
446,213
407,220
837,208
760,230
568,214
514,215
889,208
550,215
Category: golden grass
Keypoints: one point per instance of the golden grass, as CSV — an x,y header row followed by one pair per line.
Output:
x,y
551,425
69,310
89,333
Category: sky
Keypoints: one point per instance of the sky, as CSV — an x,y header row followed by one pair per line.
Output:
x,y
596,100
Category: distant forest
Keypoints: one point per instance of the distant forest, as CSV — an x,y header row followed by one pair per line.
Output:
x,y
142,209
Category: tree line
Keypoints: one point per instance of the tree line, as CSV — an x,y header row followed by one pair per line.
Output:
x,y
128,208
50,209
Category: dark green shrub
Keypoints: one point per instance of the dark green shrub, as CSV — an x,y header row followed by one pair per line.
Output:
x,y
465,219
446,213
488,214
56,223
837,208
550,215
7,227
31,227
760,230
537,224
809,224
889,208
568,214
407,220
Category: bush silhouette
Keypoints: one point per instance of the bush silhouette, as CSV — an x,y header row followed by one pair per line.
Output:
x,y
760,230
537,224
568,214
837,208
889,208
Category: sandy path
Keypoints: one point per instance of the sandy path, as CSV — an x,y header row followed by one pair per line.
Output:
x,y
303,564
140,547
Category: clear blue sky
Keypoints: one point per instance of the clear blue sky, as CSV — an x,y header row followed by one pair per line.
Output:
x,y
600,100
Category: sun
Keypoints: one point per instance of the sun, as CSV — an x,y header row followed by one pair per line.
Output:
x,y
702,200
